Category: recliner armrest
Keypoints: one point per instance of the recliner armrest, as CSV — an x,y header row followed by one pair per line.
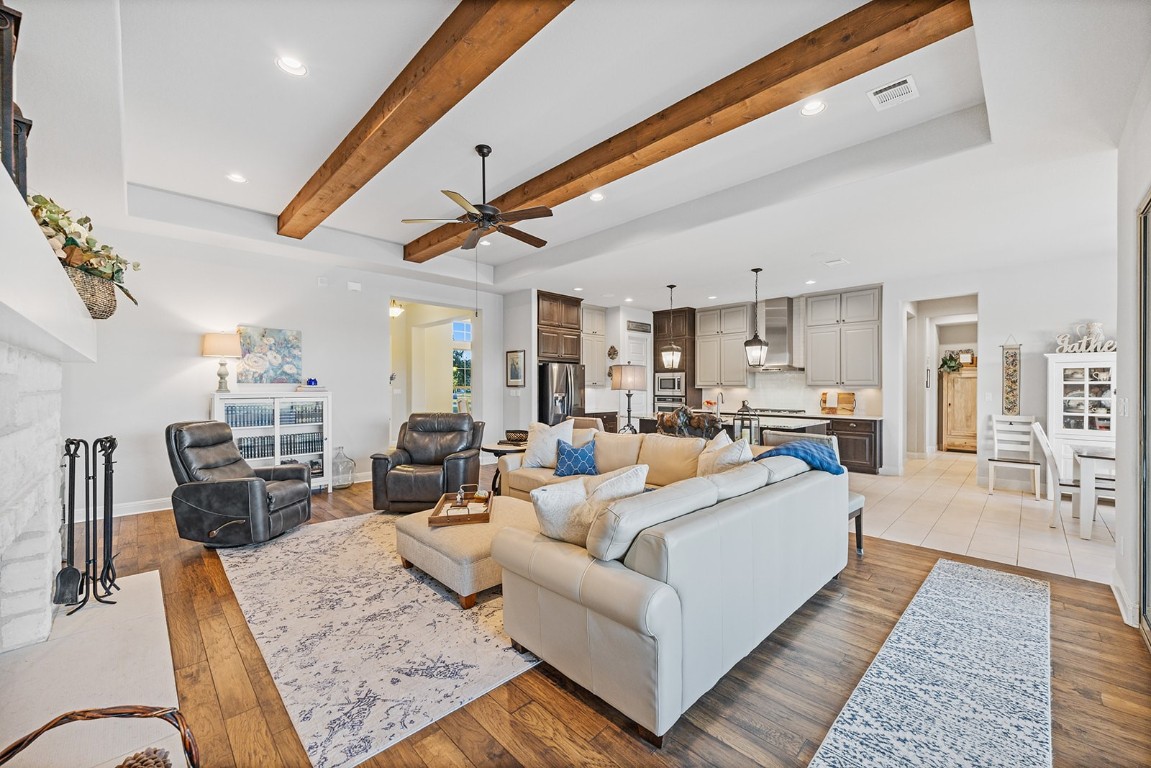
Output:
x,y
285,472
392,458
463,455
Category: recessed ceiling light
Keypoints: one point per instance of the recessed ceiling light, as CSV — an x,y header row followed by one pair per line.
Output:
x,y
485,242
836,262
595,197
813,107
577,289
810,282
238,178
628,298
293,67
712,298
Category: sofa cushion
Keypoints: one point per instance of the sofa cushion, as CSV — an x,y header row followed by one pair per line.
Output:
x,y
670,458
565,510
617,524
581,437
615,451
739,480
782,467
527,479
575,461
721,454
542,449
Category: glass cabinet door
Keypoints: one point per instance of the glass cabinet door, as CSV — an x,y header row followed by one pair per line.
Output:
x,y
1087,398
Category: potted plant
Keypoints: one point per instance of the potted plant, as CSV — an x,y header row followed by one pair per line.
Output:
x,y
93,268
950,363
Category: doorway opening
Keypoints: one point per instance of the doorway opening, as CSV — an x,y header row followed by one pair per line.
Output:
x,y
435,358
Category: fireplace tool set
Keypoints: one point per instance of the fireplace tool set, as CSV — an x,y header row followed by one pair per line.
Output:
x,y
72,586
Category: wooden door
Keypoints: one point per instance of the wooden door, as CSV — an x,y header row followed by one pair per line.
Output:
x,y
960,410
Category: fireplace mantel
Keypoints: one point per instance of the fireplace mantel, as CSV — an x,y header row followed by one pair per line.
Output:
x,y
39,309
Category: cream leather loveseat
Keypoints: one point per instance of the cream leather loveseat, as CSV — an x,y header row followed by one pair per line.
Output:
x,y
675,585
669,459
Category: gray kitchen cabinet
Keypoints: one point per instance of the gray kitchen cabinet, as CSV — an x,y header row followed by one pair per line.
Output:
x,y
843,338
719,357
594,360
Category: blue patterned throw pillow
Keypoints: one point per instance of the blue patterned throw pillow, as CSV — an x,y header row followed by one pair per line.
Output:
x,y
576,461
815,455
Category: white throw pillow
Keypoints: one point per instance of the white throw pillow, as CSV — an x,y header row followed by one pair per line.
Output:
x,y
543,443
721,454
565,510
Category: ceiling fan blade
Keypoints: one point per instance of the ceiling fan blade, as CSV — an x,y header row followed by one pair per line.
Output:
x,y
473,238
522,236
461,201
429,221
527,213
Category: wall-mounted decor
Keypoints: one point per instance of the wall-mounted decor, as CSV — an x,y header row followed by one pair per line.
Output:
x,y
514,375
638,327
270,356
1011,366
612,353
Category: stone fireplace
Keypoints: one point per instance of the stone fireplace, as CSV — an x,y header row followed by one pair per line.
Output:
x,y
43,324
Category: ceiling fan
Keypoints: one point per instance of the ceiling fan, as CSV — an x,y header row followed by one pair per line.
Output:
x,y
487,217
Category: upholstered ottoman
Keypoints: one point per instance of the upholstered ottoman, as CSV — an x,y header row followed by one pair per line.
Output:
x,y
460,556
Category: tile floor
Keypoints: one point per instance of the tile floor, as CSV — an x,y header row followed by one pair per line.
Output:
x,y
937,503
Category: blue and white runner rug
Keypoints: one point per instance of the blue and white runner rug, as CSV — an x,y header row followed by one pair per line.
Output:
x,y
363,652
964,679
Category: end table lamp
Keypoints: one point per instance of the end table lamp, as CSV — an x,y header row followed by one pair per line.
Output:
x,y
223,346
628,377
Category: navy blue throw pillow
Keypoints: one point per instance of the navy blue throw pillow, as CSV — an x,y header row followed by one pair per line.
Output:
x,y
576,461
815,454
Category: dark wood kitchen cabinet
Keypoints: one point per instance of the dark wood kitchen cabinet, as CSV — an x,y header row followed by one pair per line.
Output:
x,y
860,444
559,338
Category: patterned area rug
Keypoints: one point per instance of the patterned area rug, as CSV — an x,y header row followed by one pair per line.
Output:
x,y
363,652
964,679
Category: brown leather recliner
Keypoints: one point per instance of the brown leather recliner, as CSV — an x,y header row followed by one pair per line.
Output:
x,y
220,500
435,454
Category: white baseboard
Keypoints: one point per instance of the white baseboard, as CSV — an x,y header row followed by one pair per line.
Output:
x,y
140,507
1128,608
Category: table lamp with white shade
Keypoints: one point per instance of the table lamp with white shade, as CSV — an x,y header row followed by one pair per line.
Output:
x,y
628,377
223,346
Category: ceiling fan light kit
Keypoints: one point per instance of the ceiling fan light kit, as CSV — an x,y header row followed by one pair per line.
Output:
x,y
488,218
755,348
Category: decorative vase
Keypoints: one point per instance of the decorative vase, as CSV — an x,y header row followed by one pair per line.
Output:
x,y
343,469
98,294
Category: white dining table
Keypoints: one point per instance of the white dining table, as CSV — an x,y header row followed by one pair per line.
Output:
x,y
1089,460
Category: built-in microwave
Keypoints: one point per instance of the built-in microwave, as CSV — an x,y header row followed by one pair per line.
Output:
x,y
669,384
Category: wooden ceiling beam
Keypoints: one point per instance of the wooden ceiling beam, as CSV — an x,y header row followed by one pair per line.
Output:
x,y
475,39
855,43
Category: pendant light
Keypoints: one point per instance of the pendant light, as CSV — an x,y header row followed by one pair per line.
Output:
x,y
755,348
671,353
395,310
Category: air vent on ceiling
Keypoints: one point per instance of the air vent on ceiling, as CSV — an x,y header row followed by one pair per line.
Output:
x,y
889,95
837,262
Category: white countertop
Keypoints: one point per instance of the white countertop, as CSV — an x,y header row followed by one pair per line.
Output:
x,y
809,415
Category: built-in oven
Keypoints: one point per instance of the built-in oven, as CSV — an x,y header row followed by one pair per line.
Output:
x,y
668,403
670,384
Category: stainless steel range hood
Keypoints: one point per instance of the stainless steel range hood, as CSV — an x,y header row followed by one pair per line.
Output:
x,y
782,330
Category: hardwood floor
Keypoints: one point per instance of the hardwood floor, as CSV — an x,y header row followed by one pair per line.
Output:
x,y
773,708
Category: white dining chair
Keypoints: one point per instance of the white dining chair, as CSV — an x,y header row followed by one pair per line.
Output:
x,y
1013,449
1064,484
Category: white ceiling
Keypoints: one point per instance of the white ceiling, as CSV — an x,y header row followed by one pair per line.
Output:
x,y
1005,154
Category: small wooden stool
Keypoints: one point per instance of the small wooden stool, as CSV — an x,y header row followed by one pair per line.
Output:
x,y
855,511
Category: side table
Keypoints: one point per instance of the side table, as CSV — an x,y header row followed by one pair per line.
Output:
x,y
498,450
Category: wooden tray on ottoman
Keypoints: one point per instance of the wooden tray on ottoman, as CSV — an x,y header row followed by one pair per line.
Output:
x,y
443,513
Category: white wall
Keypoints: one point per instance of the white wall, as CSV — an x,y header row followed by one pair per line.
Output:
x,y
519,333
1031,303
1133,184
150,372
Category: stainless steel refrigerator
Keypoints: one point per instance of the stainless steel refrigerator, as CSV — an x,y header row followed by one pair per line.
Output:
x,y
561,392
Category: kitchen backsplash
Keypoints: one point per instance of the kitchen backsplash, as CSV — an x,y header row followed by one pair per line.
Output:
x,y
789,390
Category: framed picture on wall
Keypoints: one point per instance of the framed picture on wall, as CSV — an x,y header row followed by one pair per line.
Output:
x,y
514,374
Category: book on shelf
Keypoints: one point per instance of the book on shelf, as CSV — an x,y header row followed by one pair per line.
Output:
x,y
306,388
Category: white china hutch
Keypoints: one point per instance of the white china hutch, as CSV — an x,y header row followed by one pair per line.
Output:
x,y
1080,399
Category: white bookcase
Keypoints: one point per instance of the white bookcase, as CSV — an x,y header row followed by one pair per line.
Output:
x,y
1080,399
273,428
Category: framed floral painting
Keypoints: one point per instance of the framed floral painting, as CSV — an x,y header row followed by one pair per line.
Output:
x,y
270,356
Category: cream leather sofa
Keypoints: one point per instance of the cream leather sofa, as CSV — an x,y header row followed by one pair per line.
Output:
x,y
669,459
675,585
